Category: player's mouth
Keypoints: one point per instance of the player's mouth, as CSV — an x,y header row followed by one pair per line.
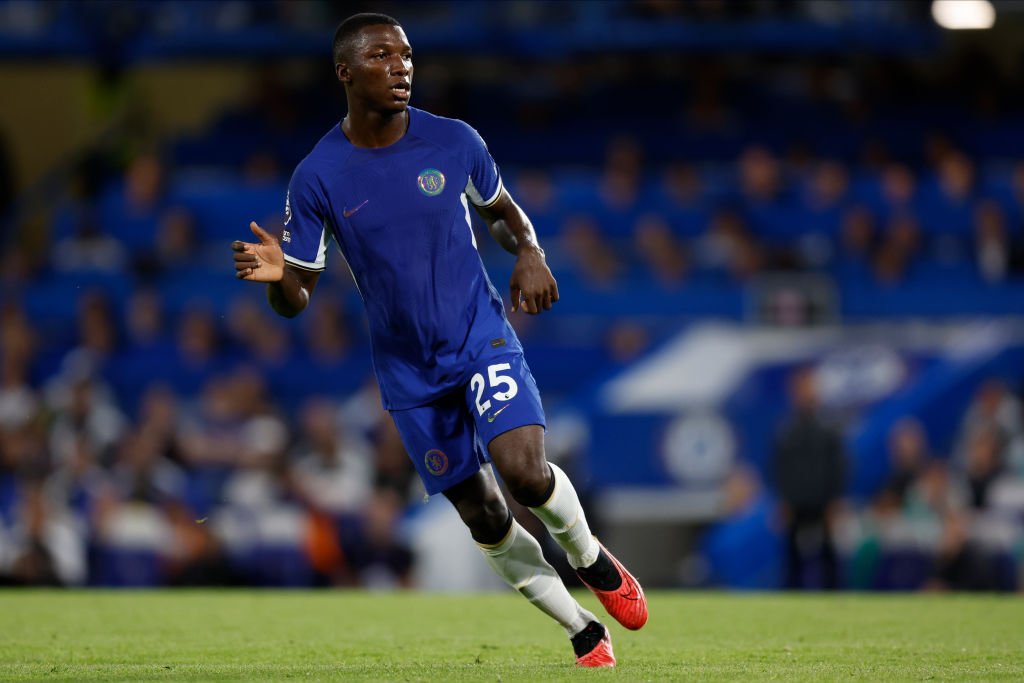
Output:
x,y
401,90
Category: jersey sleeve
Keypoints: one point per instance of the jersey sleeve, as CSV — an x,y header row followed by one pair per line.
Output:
x,y
306,231
483,187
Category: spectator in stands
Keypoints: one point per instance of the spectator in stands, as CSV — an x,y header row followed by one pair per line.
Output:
x,y
327,335
45,545
262,336
18,398
132,532
175,246
760,175
665,258
899,189
82,406
142,474
827,192
376,551
97,333
88,249
23,456
819,214
144,319
809,465
908,457
261,169
194,557
744,530
263,523
619,187
764,197
332,471
133,216
77,481
363,412
18,264
994,253
856,241
593,258
984,464
625,340
993,408
681,185
537,195
210,431
897,250
954,208
934,494
393,470
198,340
681,199
961,563
260,481
729,247
158,419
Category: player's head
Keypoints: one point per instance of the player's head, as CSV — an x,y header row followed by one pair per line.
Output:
x,y
372,57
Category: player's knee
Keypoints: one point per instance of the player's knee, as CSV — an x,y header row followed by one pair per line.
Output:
x,y
530,484
487,520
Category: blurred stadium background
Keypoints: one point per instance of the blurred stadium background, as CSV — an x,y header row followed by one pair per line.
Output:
x,y
789,239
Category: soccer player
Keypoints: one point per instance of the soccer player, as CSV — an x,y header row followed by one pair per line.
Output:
x,y
392,186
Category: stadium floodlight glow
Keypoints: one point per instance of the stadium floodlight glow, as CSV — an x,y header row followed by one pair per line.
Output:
x,y
963,14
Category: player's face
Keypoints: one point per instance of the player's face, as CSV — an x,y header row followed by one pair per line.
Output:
x,y
380,71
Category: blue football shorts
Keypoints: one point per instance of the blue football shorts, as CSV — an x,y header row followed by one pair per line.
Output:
x,y
447,439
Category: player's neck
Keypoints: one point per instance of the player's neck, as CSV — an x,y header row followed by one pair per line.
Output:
x,y
372,129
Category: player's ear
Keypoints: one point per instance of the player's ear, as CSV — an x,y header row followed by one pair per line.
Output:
x,y
341,71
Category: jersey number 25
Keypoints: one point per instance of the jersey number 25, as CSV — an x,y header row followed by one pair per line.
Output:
x,y
477,384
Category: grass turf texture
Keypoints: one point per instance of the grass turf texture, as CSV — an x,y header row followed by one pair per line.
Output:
x,y
210,635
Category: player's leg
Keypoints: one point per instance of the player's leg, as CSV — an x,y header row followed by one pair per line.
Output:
x,y
512,552
546,490
440,440
512,426
519,456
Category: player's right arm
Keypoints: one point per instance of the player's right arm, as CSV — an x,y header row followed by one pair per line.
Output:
x,y
288,288
290,269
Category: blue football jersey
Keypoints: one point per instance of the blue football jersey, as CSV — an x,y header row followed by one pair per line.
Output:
x,y
400,217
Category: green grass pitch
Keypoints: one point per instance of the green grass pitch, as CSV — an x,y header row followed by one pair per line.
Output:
x,y
344,635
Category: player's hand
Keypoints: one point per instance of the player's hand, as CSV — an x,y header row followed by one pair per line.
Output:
x,y
532,283
262,262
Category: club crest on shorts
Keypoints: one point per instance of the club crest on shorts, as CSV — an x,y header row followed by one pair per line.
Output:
x,y
436,461
431,182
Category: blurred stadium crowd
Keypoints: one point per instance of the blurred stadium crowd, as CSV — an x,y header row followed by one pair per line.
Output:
x,y
159,425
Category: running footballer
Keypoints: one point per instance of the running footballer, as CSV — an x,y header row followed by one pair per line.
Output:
x,y
392,185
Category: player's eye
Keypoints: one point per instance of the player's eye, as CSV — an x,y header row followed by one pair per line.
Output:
x,y
379,55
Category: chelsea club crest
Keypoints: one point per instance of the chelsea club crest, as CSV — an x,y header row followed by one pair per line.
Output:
x,y
431,182
436,462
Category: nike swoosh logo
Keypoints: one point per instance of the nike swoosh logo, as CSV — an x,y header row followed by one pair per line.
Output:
x,y
627,594
490,418
346,213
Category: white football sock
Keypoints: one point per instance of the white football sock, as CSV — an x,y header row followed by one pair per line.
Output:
x,y
564,518
518,560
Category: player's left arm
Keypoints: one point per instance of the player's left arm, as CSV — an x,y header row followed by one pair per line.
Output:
x,y
532,281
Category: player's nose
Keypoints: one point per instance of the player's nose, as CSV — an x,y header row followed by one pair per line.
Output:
x,y
399,66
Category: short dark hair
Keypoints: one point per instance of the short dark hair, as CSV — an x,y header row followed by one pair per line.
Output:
x,y
353,25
